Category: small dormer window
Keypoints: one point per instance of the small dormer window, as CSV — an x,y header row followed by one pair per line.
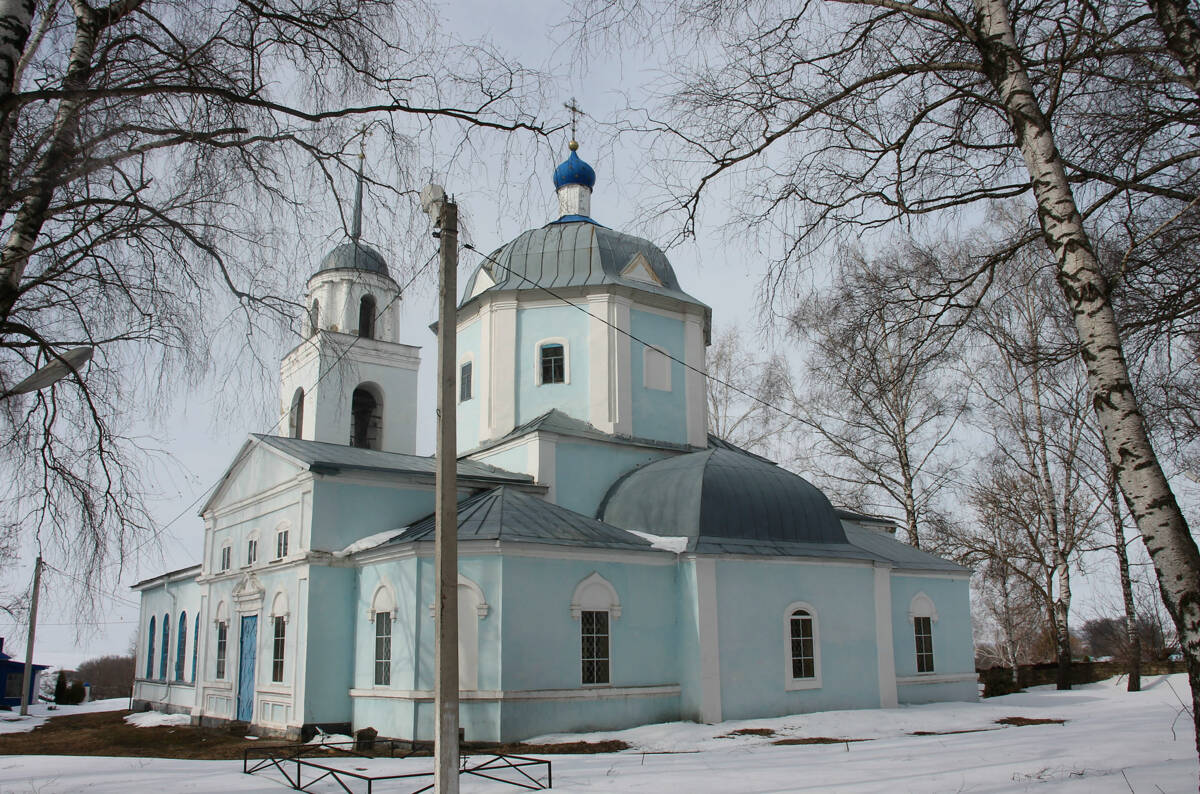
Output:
x,y
366,317
553,363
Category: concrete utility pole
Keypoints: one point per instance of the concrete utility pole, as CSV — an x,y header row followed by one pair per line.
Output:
x,y
33,605
445,694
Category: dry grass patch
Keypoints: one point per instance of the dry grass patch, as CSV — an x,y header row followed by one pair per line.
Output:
x,y
816,740
747,732
107,733
1030,721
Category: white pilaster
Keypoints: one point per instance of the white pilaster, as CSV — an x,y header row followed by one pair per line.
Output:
x,y
601,363
710,642
883,637
695,395
622,375
483,371
502,373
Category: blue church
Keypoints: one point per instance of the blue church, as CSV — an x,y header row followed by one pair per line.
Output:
x,y
618,565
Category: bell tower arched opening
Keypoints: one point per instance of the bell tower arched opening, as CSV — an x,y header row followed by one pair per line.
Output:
x,y
296,415
366,317
366,417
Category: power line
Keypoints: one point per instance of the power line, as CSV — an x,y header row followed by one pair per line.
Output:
x,y
635,338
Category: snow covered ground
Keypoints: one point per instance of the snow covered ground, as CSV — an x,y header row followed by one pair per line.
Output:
x,y
1111,741
13,722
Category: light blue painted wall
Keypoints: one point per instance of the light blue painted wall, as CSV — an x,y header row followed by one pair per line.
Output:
x,y
542,640
953,644
660,415
584,472
752,600
538,323
468,341
936,693
171,598
343,513
330,651
526,719
515,459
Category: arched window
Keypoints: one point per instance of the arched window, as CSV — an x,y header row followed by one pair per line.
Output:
x,y
595,605
923,614
366,418
366,317
314,317
279,613
222,639
552,361
166,647
383,605
802,638
150,650
296,415
181,651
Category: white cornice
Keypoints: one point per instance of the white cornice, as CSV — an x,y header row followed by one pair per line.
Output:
x,y
511,695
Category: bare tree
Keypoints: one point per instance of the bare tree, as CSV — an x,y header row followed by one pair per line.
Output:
x,y
859,113
735,371
879,393
159,163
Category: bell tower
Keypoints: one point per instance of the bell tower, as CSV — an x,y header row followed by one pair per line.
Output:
x,y
351,381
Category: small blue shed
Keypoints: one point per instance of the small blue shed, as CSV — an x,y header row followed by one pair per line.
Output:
x,y
11,672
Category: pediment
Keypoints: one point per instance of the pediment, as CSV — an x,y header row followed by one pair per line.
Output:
x,y
257,468
639,269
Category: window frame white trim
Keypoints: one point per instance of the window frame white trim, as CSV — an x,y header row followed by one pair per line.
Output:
x,y
790,683
922,606
646,350
283,528
225,557
383,596
595,580
253,537
537,360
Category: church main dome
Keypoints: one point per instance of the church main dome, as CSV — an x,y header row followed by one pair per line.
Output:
x,y
722,497
572,253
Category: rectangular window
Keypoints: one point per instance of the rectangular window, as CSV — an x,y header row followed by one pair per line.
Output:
x,y
383,648
226,557
222,640
594,632
251,552
554,364
281,544
923,628
277,650
464,382
803,659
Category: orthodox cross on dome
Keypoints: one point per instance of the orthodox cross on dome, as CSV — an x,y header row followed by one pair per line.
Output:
x,y
576,112
356,222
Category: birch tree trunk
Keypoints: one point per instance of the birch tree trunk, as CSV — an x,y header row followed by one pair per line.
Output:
x,y
1133,640
1127,443
16,19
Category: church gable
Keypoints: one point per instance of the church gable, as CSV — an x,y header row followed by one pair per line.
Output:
x,y
257,469
639,269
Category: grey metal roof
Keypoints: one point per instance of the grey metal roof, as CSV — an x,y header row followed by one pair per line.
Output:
x,y
721,495
354,255
506,514
901,555
330,458
576,254
555,421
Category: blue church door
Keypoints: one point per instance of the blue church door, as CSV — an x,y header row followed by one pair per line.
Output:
x,y
247,647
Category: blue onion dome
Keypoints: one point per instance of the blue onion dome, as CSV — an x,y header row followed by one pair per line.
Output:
x,y
354,255
574,171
